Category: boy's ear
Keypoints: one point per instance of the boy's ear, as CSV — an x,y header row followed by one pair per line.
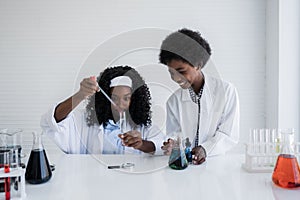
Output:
x,y
199,65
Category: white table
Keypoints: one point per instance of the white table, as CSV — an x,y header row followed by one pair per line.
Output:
x,y
220,177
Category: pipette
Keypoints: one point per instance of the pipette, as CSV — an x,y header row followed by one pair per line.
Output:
x,y
104,93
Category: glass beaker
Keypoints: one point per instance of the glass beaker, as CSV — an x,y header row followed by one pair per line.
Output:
x,y
38,169
286,172
12,139
177,158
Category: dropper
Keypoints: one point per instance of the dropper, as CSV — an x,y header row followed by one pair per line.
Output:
x,y
104,93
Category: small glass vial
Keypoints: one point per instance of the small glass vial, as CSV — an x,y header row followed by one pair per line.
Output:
x,y
123,122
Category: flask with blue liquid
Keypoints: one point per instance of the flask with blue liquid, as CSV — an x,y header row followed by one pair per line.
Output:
x,y
177,158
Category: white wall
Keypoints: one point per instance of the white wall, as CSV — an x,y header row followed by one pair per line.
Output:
x,y
45,48
282,64
289,64
272,62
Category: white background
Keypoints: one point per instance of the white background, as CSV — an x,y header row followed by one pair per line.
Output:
x,y
47,47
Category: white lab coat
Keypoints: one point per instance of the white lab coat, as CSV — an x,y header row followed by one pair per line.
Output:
x,y
72,135
219,116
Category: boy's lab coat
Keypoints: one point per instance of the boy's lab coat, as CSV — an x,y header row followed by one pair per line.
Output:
x,y
219,115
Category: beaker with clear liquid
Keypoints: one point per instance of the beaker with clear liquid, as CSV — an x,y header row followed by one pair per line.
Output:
x,y
286,173
38,169
177,158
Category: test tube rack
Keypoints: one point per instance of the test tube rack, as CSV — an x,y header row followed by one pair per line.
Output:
x,y
17,173
262,157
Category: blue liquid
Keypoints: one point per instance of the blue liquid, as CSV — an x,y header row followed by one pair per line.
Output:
x,y
177,160
188,154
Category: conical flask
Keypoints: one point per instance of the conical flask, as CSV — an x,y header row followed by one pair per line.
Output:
x,y
286,172
38,168
177,158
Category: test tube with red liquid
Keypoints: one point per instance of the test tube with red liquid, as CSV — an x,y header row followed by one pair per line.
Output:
x,y
7,182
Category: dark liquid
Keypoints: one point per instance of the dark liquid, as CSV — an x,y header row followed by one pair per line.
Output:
x,y
38,169
177,160
286,173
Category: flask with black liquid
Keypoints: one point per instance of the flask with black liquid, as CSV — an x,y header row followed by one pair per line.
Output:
x,y
38,169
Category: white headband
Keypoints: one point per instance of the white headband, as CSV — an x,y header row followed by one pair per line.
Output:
x,y
121,81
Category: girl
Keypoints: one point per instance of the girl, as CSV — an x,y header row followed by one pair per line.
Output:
x,y
97,128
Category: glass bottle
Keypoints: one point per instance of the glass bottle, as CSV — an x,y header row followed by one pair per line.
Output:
x,y
286,172
188,150
38,168
177,158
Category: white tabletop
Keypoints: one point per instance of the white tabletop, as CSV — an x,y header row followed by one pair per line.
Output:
x,y
220,177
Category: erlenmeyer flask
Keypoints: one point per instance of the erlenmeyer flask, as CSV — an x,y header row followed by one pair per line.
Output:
x,y
286,172
38,168
177,158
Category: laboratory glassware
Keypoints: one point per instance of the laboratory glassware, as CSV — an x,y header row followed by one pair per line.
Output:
x,y
286,173
188,150
177,158
38,169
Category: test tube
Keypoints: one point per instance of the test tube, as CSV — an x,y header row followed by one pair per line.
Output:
x,y
268,147
278,140
256,140
5,156
273,145
253,146
261,149
123,122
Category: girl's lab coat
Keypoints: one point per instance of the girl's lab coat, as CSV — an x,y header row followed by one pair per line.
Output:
x,y
219,115
72,135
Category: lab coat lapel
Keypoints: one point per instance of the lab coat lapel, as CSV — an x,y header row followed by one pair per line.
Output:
x,y
188,115
212,105
206,106
207,95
